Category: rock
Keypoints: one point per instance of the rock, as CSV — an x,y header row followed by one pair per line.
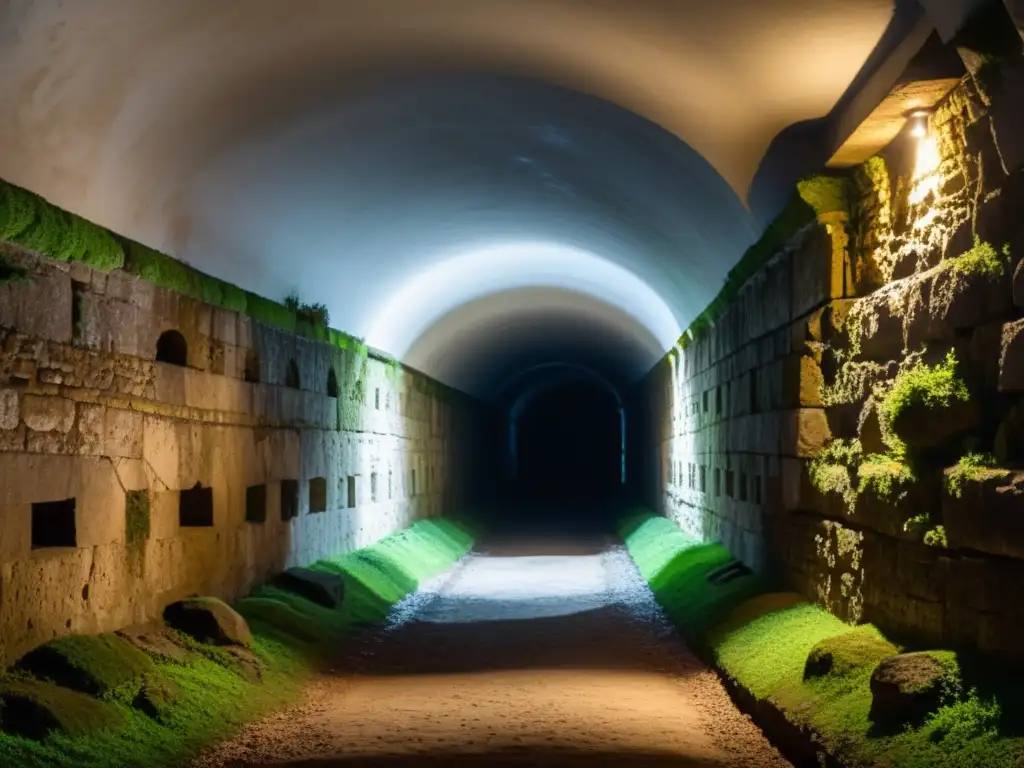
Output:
x,y
326,589
244,662
988,516
156,696
842,654
804,432
48,414
1011,358
35,709
156,641
906,688
8,409
924,427
92,664
208,620
869,429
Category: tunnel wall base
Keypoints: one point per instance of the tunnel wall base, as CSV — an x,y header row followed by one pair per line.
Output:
x,y
102,448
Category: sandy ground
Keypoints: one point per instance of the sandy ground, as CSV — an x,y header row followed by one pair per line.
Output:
x,y
526,653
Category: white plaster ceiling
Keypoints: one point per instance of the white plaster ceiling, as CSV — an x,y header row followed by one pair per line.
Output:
x,y
342,147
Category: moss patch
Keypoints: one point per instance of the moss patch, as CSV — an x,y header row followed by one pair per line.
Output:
x,y
93,664
922,387
208,696
33,709
887,477
848,653
763,641
972,467
136,517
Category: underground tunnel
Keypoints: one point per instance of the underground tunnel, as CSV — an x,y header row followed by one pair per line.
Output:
x,y
529,383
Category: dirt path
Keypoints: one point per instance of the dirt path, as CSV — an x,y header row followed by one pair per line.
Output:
x,y
526,654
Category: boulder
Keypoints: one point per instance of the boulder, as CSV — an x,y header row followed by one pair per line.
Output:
x,y
156,696
157,641
924,427
326,589
92,664
906,688
35,709
208,620
838,656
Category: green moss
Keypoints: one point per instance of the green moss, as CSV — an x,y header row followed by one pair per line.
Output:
x,y
834,469
849,653
34,709
281,616
93,664
11,273
887,477
936,537
825,194
981,260
922,386
971,467
763,644
30,221
136,511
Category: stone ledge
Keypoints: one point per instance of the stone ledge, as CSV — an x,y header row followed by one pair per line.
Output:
x,y
989,515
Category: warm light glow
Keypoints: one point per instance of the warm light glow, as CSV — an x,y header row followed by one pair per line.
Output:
x,y
926,170
449,284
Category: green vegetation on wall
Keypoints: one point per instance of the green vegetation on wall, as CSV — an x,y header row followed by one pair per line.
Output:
x,y
28,220
932,388
817,197
816,669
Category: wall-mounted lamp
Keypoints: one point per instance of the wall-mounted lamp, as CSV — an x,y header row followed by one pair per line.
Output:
x,y
919,124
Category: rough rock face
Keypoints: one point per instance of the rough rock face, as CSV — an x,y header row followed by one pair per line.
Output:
x,y
905,688
209,620
326,589
919,427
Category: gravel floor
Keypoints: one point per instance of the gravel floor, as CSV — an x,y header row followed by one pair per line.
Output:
x,y
542,653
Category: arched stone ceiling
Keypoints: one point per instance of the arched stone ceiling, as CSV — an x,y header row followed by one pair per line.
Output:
x,y
345,147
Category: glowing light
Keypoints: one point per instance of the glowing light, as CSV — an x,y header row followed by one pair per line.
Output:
x,y
926,170
919,125
437,290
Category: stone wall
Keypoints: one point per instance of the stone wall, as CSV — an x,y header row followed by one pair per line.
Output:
x,y
127,483
819,429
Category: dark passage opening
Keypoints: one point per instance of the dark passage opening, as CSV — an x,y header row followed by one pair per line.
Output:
x,y
53,524
172,348
289,499
195,507
569,451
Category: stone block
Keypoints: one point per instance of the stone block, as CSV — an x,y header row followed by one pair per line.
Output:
x,y
326,589
39,308
91,428
817,268
209,620
923,427
802,382
804,432
123,433
989,515
9,411
906,689
48,414
877,321
1011,360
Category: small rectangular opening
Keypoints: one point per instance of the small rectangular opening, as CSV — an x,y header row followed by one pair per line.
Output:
x,y
256,504
289,499
412,483
743,486
376,398
317,494
390,484
351,491
757,489
706,392
718,481
718,401
195,507
727,573
373,487
53,524
703,479
730,483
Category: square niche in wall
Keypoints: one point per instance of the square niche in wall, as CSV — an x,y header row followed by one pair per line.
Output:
x,y
317,494
256,504
289,499
53,524
195,507
351,491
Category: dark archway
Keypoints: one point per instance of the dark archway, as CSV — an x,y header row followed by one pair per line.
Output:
x,y
172,348
291,375
332,383
251,373
569,449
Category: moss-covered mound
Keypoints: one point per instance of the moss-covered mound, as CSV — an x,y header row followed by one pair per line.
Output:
x,y
766,641
93,664
33,709
185,701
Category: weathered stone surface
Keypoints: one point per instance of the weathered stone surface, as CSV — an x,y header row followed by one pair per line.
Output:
x,y
157,641
869,429
209,620
9,413
923,427
805,432
989,515
842,654
48,414
1011,361
906,688
326,589
156,696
